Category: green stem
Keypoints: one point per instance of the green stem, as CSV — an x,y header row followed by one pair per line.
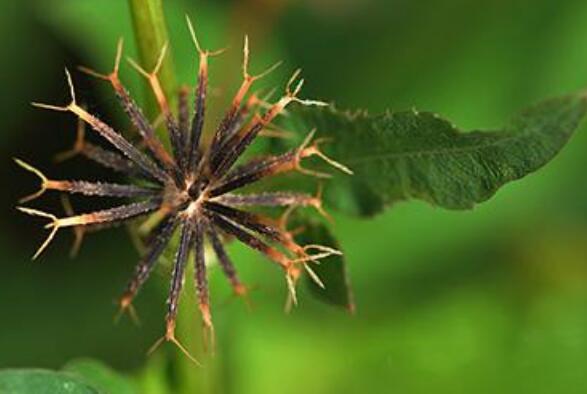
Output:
x,y
151,35
193,379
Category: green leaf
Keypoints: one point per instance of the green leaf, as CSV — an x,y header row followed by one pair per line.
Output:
x,y
38,381
331,270
82,376
100,376
418,155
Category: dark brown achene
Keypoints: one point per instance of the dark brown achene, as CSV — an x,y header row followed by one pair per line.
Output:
x,y
192,189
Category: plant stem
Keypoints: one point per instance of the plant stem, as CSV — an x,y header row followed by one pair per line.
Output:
x,y
193,379
151,35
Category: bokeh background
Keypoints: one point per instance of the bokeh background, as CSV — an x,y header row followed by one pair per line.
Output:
x,y
488,300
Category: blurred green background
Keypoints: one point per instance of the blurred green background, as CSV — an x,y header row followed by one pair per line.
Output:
x,y
490,300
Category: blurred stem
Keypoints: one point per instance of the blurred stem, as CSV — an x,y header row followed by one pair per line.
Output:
x,y
193,379
151,35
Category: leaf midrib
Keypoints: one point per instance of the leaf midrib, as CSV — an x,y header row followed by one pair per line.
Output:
x,y
432,152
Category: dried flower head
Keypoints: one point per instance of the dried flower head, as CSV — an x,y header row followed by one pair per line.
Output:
x,y
191,189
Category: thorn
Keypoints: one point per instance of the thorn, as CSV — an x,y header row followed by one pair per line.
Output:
x,y
78,145
61,108
35,212
268,71
170,337
160,59
317,204
291,276
125,305
323,248
246,56
297,231
135,239
325,252
113,76
292,94
217,52
282,221
314,257
288,304
78,231
334,163
291,288
50,107
316,174
91,72
276,133
54,225
196,42
156,69
261,102
264,100
71,88
118,57
209,336
138,68
158,121
273,131
315,278
307,140
193,34
311,103
306,151
243,292
313,150
153,79
292,79
38,173
297,89
155,346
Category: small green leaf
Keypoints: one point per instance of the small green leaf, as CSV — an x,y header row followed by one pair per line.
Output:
x,y
410,155
331,270
39,381
100,376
